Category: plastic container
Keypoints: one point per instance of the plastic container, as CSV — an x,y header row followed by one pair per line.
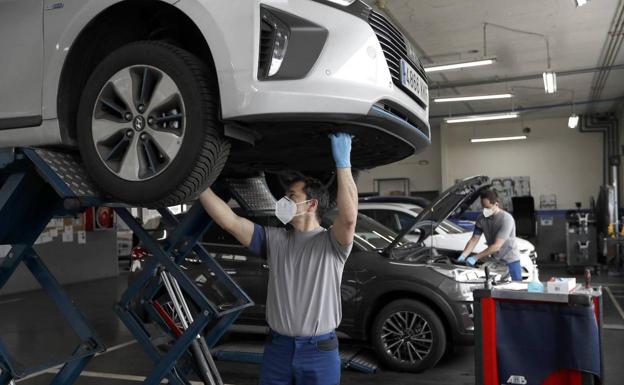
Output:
x,y
535,286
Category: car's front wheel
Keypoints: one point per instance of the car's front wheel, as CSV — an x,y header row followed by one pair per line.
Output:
x,y
148,126
407,335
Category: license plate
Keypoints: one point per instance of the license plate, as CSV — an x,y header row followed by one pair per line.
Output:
x,y
414,82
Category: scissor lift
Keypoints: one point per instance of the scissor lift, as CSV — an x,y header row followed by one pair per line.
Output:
x,y
37,185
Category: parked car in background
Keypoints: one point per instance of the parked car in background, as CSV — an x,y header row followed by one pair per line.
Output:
x,y
446,236
417,202
156,94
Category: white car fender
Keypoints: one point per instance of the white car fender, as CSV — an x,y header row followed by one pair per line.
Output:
x,y
62,26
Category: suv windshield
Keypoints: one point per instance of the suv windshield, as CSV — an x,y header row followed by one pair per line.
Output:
x,y
369,234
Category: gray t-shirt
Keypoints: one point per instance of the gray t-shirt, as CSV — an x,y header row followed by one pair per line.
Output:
x,y
305,268
500,225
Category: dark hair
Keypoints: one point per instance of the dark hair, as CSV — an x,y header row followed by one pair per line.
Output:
x,y
491,195
314,189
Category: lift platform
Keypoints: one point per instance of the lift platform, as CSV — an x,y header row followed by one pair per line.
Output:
x,y
37,185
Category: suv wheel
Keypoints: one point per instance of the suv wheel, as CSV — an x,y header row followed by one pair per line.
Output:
x,y
407,335
148,127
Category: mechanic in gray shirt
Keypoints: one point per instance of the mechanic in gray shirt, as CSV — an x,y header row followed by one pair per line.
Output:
x,y
499,229
305,263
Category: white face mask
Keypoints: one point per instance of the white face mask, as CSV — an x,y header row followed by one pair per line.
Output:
x,y
488,212
286,209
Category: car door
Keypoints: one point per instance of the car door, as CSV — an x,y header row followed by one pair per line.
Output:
x,y
21,62
349,288
248,270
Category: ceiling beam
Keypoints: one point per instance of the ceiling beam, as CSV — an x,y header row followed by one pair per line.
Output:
x,y
470,83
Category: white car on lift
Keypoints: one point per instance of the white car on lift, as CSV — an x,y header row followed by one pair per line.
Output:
x,y
156,94
446,236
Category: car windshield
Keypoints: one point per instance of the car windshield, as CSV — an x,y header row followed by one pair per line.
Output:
x,y
446,226
369,234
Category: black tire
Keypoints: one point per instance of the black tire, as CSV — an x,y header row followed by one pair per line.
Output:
x,y
411,363
203,150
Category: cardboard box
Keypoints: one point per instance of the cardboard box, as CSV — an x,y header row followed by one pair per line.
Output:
x,y
560,285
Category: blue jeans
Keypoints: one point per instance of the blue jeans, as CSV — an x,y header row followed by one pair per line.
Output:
x,y
300,360
515,270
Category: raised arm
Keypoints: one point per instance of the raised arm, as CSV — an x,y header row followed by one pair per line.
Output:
x,y
347,198
472,243
241,228
493,248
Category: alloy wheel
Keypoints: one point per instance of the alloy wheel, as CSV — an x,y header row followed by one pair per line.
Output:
x,y
407,337
138,122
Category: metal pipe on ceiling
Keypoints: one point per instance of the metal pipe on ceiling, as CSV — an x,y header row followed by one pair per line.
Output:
x,y
540,35
610,51
510,79
543,107
587,124
608,125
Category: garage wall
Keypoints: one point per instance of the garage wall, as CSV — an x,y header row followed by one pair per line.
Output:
x,y
558,160
422,177
70,262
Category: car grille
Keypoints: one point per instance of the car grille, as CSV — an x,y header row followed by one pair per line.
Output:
x,y
394,46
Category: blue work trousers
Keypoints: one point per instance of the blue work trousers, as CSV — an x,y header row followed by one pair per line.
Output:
x,y
300,360
515,270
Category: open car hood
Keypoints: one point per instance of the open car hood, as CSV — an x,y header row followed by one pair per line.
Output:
x,y
454,200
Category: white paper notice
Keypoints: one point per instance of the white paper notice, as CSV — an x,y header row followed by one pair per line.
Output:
x,y
82,237
68,236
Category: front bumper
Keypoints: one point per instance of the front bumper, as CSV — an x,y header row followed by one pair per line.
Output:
x,y
299,141
461,300
353,76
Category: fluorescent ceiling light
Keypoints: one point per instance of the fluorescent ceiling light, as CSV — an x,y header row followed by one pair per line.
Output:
x,y
479,118
473,97
461,64
580,3
499,139
550,82
573,121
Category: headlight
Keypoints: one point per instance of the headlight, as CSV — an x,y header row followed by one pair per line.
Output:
x,y
462,275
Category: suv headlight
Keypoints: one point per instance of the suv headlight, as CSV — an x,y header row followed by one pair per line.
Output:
x,y
462,275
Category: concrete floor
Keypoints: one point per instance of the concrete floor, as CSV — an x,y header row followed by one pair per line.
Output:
x,y
33,332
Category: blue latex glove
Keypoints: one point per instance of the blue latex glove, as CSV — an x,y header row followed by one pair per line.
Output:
x,y
341,149
471,261
461,258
